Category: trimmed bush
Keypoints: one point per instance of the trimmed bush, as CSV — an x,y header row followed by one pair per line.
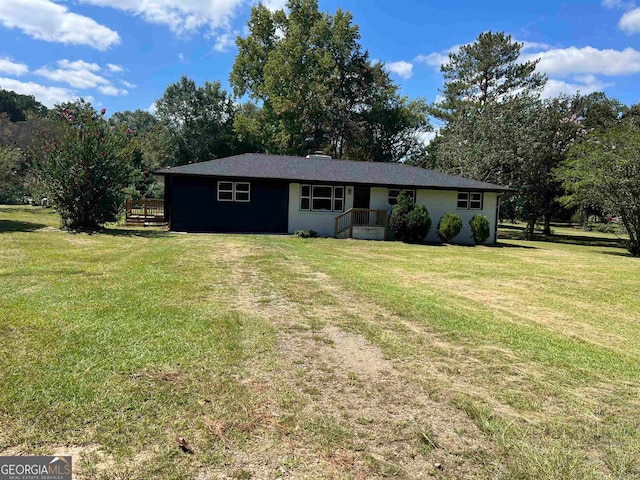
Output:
x,y
398,219
409,222
449,226
418,224
480,228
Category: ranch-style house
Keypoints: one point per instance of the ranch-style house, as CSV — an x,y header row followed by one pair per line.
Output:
x,y
259,193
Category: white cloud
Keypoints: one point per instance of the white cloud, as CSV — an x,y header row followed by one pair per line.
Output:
x,y
181,16
402,69
437,59
630,22
152,108
587,60
12,68
47,95
78,65
534,46
224,42
78,74
84,75
274,5
115,68
584,84
563,61
112,91
617,4
52,22
570,69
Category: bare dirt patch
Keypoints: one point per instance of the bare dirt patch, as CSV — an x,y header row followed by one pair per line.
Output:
x,y
341,407
89,461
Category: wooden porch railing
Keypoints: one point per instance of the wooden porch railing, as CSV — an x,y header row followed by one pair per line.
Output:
x,y
360,217
144,211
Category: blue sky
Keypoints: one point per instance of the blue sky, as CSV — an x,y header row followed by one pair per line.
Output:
x,y
122,54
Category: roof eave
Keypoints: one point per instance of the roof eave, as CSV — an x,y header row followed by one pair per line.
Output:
x,y
494,189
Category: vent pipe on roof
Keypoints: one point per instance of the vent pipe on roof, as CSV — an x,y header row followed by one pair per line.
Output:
x,y
320,156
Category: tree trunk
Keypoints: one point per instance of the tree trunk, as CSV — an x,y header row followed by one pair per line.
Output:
x,y
547,224
530,228
633,230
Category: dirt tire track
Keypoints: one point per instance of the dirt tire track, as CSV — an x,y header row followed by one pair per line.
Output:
x,y
340,378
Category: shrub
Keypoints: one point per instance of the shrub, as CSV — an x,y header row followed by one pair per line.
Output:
x,y
11,188
398,219
409,223
305,233
418,224
604,228
85,172
449,226
480,228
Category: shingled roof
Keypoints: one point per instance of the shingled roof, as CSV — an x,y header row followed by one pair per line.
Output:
x,y
302,169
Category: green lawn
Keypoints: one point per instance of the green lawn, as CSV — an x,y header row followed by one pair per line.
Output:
x,y
277,357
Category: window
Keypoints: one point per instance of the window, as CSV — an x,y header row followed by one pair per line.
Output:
x,y
338,199
305,197
394,193
242,192
470,200
234,192
225,191
321,198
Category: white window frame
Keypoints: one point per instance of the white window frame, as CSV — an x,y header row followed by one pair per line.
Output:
x,y
234,192
469,201
315,197
400,192
226,190
337,198
311,197
305,197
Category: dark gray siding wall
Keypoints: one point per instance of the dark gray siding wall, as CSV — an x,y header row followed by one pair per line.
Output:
x,y
194,206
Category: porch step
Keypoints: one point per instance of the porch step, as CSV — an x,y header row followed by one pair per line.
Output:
x,y
369,232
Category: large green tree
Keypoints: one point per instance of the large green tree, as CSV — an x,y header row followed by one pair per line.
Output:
x,y
489,70
486,105
10,181
550,128
20,107
199,121
318,89
22,139
86,170
153,150
605,170
497,129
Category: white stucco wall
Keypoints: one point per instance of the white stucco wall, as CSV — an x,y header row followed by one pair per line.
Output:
x,y
322,222
439,202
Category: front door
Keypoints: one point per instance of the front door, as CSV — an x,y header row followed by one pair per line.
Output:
x,y
361,197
